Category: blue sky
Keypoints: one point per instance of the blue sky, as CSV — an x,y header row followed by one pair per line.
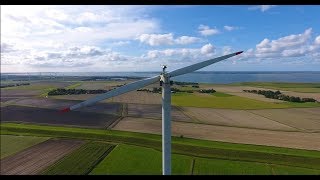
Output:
x,y
141,38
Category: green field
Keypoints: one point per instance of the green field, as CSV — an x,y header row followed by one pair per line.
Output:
x,y
296,87
222,100
183,146
226,167
81,161
13,144
220,94
73,86
128,159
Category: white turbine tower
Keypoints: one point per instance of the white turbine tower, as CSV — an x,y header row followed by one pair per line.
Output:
x,y
164,79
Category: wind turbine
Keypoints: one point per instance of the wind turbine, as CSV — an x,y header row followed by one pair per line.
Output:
x,y
164,79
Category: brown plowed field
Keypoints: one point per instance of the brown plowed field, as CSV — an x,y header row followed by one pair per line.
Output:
x,y
38,157
298,140
154,111
54,117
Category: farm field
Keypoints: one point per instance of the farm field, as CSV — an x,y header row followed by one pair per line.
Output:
x,y
302,119
299,140
306,161
235,118
38,157
51,116
229,128
13,144
295,87
100,84
80,161
204,166
58,104
154,111
237,90
128,159
231,102
133,97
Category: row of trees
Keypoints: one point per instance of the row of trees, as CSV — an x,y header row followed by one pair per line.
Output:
x,y
62,91
12,85
207,91
280,96
185,83
159,90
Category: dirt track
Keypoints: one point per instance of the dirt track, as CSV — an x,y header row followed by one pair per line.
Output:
x,y
298,140
54,117
38,157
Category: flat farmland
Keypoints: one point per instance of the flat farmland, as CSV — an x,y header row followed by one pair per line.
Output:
x,y
300,118
38,157
236,118
34,89
13,144
134,97
80,161
238,91
154,111
101,84
108,108
204,166
211,101
300,140
54,117
295,87
129,159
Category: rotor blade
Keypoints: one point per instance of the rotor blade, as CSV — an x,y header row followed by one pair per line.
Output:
x,y
200,65
115,92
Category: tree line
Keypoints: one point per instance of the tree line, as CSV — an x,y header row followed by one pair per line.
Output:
x,y
280,96
12,85
62,91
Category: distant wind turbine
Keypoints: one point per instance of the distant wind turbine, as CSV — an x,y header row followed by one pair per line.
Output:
x,y
164,79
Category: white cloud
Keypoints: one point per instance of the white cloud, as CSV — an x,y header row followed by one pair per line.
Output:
x,y
226,50
207,49
263,8
295,45
121,43
156,39
165,39
230,28
281,44
44,35
207,31
186,40
182,53
317,40
65,24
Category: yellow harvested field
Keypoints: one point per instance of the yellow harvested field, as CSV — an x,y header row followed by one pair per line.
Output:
x,y
235,118
238,91
298,140
300,118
